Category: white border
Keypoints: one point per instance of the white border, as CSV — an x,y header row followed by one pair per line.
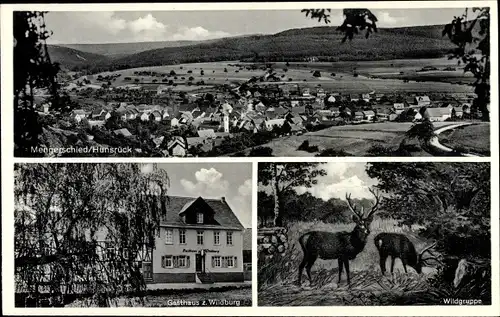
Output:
x,y
8,160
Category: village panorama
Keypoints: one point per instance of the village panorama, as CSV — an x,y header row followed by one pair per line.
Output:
x,y
299,92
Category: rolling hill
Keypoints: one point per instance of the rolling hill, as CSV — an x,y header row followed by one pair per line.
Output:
x,y
70,58
116,50
293,45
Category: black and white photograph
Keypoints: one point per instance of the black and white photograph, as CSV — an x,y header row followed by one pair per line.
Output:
x,y
284,82
374,234
133,235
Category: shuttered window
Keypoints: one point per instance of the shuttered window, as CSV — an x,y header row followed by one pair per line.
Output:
x,y
216,237
177,261
229,238
216,261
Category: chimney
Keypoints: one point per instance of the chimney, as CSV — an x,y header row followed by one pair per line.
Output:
x,y
223,199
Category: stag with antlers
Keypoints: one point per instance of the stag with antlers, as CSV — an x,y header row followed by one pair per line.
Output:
x,y
399,246
343,246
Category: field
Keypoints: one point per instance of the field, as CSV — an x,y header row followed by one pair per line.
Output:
x,y
473,138
354,139
373,76
368,287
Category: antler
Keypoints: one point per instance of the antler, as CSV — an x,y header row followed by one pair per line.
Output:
x,y
375,193
351,207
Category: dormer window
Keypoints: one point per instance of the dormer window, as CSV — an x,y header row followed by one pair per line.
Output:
x,y
199,217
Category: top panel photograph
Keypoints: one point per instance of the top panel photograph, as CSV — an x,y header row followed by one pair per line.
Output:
x,y
258,83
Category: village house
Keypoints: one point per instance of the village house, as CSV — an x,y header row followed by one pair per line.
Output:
x,y
78,115
422,101
457,112
155,116
269,124
358,116
437,114
177,147
145,116
124,132
368,115
399,106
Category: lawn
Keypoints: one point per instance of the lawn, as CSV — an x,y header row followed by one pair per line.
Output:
x,y
472,138
368,287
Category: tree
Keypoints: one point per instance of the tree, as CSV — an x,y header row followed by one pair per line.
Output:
x,y
114,122
65,212
469,41
33,70
284,177
451,201
317,73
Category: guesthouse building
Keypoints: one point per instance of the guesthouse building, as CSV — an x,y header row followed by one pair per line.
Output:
x,y
200,241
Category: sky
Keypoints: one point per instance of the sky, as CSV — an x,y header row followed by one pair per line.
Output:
x,y
70,27
233,181
341,178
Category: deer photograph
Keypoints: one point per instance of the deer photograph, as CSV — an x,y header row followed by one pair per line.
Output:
x,y
326,233
397,245
344,245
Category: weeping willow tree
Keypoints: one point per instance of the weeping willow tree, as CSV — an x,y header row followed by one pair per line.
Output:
x,y
85,229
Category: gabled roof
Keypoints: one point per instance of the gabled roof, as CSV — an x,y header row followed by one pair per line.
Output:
x,y
437,112
125,132
368,113
222,212
208,133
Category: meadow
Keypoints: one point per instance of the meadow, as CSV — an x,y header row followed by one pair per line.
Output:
x,y
277,277
380,76
472,138
356,140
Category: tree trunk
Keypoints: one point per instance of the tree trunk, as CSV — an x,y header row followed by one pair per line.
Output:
x,y
277,212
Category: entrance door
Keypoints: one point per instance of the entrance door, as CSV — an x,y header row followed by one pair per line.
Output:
x,y
199,263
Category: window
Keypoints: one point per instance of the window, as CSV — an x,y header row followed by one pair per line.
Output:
x,y
216,237
167,261
147,270
182,236
181,262
216,262
199,237
110,252
229,238
230,261
199,217
169,236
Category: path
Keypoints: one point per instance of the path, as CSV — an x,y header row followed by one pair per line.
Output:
x,y
434,141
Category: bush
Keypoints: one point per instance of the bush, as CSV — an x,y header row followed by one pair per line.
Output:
x,y
261,151
317,73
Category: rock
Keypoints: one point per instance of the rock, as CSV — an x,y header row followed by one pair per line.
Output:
x,y
468,270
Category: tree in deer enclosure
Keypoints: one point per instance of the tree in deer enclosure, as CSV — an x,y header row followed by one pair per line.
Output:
x,y
60,209
343,246
284,177
397,245
452,201
469,39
